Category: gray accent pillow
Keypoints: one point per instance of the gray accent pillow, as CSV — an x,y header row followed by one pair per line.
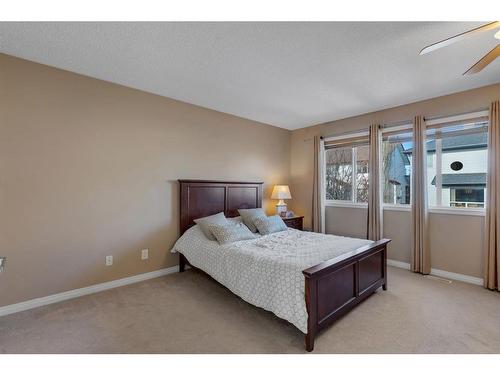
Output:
x,y
227,233
204,222
270,224
248,215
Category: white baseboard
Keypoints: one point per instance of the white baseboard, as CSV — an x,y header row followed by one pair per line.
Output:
x,y
42,301
457,276
398,264
440,273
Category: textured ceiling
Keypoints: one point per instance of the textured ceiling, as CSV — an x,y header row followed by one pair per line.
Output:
x,y
289,75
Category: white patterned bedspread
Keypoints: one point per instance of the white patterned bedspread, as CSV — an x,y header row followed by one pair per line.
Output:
x,y
266,271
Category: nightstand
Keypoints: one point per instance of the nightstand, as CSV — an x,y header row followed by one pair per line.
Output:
x,y
295,222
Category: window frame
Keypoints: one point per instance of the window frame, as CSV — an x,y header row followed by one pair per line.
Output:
x,y
442,210
354,196
436,209
394,206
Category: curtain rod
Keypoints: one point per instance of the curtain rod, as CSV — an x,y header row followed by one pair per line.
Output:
x,y
362,130
404,122
485,110
394,124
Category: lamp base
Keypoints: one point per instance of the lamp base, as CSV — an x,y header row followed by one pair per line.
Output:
x,y
281,208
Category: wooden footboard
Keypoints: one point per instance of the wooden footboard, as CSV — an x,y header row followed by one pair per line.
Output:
x,y
334,287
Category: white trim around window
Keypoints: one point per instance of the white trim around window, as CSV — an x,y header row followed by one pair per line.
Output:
x,y
397,128
457,211
439,208
464,116
397,207
407,208
347,204
349,135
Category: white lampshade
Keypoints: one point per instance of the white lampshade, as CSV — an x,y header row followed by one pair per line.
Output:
x,y
281,192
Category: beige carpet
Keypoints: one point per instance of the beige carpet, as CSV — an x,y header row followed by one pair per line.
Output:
x,y
190,313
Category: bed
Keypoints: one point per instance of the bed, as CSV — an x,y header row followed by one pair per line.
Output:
x,y
308,279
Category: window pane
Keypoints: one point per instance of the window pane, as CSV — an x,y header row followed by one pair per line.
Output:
x,y
465,197
430,160
339,172
457,177
396,167
362,155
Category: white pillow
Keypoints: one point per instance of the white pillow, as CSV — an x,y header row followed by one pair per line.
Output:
x,y
236,220
204,222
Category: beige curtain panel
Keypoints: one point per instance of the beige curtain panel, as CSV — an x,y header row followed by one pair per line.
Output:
x,y
420,255
318,201
492,225
375,218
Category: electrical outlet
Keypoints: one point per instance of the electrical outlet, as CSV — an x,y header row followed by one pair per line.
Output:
x,y
109,260
144,254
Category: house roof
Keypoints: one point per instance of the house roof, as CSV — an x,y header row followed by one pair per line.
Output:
x,y
469,141
462,179
463,142
406,159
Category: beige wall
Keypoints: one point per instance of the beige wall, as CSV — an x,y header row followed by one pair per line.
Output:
x,y
346,221
456,241
89,168
397,227
452,250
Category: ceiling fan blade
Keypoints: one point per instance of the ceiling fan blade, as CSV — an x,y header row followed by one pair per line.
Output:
x,y
456,38
481,64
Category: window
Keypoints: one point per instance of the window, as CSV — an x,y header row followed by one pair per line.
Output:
x,y
457,175
346,170
456,164
361,154
473,197
339,172
396,165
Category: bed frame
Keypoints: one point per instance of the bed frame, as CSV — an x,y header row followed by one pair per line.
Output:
x,y
332,288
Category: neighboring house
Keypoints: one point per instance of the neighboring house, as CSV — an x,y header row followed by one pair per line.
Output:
x,y
463,171
397,171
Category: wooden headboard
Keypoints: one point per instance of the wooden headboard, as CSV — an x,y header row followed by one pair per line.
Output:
x,y
200,198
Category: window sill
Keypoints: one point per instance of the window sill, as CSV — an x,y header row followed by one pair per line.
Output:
x,y
458,211
397,207
345,204
407,208
390,207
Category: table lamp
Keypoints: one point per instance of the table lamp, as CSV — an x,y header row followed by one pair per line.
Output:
x,y
281,192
